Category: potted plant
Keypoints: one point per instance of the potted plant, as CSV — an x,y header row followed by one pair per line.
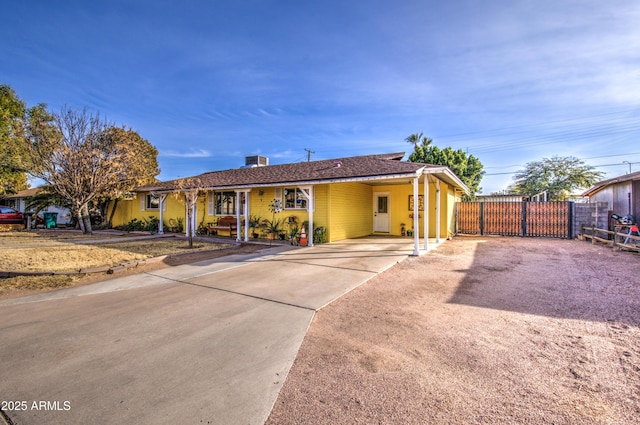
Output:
x,y
273,228
293,234
254,223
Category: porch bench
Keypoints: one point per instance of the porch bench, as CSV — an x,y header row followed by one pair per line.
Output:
x,y
225,224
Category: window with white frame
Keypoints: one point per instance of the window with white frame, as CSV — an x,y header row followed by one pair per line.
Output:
x,y
225,203
153,202
12,203
294,199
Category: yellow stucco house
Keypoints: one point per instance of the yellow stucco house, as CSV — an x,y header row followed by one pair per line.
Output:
x,y
347,197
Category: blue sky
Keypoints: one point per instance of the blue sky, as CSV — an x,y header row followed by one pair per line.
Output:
x,y
209,82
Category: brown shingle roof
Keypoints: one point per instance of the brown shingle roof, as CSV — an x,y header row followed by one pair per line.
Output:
x,y
354,167
620,179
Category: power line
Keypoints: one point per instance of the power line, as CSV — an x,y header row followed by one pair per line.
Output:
x,y
527,127
582,159
595,166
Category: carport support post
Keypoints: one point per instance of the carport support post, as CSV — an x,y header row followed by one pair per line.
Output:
x,y
416,219
426,212
437,211
246,215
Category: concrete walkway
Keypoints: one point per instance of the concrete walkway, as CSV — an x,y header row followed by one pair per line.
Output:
x,y
210,342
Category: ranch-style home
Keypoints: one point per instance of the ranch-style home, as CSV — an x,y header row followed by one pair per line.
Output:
x,y
346,197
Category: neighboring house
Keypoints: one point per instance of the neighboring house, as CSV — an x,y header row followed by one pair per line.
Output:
x,y
20,200
350,197
621,193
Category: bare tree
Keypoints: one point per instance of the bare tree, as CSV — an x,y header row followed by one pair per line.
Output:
x,y
79,159
188,191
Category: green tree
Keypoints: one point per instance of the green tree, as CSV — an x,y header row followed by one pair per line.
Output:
x,y
468,168
417,139
558,176
13,113
141,159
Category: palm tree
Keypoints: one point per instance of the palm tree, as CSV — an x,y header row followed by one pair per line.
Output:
x,y
416,138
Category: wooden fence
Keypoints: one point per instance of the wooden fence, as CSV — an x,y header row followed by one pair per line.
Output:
x,y
530,219
619,239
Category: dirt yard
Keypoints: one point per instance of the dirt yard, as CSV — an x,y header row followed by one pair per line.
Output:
x,y
478,331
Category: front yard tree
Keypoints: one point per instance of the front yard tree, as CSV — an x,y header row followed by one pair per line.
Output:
x,y
140,158
468,168
13,113
187,191
79,159
558,176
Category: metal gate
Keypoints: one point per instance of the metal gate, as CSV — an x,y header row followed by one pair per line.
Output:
x,y
532,219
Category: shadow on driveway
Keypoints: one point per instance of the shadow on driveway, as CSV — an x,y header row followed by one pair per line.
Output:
x,y
555,278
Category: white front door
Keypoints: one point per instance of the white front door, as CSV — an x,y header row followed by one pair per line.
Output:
x,y
381,212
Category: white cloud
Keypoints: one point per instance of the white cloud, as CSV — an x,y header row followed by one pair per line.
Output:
x,y
193,153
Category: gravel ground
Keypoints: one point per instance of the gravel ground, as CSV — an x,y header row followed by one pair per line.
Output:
x,y
478,331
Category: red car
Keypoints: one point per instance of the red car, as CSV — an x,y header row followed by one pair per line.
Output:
x,y
10,216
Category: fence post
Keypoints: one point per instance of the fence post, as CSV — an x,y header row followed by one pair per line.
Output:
x,y
524,218
482,218
572,211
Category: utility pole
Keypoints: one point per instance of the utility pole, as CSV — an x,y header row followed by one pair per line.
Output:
x,y
309,152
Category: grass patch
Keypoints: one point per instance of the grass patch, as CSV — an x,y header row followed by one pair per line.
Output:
x,y
67,256
72,251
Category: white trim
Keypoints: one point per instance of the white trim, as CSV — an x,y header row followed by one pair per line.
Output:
x,y
277,193
211,205
163,206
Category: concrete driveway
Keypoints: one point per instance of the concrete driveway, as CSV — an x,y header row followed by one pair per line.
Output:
x,y
210,342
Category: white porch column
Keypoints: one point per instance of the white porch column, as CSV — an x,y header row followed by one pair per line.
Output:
x,y
246,215
238,221
194,219
310,207
437,211
426,211
194,216
162,198
416,218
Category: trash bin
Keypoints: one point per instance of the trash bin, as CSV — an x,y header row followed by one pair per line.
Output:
x,y
50,219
